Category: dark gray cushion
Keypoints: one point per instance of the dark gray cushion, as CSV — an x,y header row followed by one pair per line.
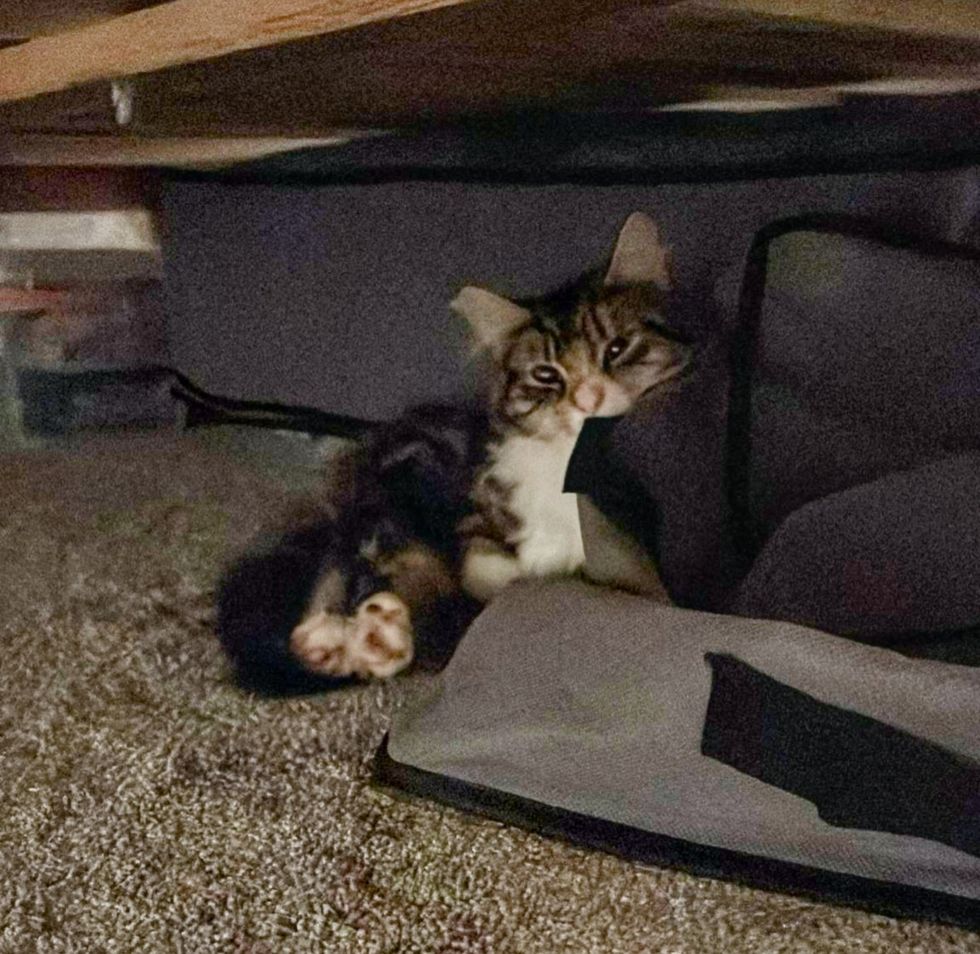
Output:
x,y
659,473
894,555
866,360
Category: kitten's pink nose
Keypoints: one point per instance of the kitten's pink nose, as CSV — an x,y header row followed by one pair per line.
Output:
x,y
588,396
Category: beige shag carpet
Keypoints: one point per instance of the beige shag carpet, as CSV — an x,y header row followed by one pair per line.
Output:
x,y
149,805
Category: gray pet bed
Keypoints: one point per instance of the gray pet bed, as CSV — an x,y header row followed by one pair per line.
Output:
x,y
806,717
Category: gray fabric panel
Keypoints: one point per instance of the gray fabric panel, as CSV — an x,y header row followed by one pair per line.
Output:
x,y
337,297
895,555
868,360
804,450
593,701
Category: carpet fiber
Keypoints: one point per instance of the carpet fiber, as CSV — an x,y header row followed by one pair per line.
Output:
x,y
150,805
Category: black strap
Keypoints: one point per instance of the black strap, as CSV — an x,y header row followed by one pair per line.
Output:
x,y
857,771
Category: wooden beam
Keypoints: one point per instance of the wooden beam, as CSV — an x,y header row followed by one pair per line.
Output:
x,y
27,18
39,149
949,18
182,31
490,59
733,99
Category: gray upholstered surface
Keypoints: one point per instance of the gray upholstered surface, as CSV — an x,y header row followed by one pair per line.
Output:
x,y
600,705
337,296
865,408
894,555
149,806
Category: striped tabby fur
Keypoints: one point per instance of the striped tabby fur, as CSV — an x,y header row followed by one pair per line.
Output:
x,y
446,506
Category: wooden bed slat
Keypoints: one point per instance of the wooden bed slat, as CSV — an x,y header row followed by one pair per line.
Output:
x,y
949,18
198,152
182,31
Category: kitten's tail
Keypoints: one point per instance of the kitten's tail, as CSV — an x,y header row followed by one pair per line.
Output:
x,y
261,599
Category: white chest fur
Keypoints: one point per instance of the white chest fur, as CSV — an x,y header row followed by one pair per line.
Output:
x,y
550,540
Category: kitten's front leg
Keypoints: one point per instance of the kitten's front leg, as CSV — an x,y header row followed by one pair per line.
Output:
x,y
487,569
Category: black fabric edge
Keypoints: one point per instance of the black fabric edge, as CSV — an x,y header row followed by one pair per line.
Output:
x,y
488,174
858,771
744,339
588,454
203,408
649,848
615,498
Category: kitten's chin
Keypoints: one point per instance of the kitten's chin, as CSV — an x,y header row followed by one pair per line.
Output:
x,y
548,424
573,425
558,422
568,422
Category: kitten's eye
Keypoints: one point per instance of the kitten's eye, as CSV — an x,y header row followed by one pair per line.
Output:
x,y
546,374
615,348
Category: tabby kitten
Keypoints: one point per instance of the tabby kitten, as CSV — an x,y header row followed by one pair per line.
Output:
x,y
446,506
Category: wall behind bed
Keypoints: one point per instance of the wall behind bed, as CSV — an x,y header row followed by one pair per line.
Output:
x,y
336,296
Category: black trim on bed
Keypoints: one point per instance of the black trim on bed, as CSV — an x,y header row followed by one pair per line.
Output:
x,y
857,771
878,134
263,173
635,844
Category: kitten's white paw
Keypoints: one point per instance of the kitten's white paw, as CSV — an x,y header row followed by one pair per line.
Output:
x,y
486,572
376,641
382,642
320,643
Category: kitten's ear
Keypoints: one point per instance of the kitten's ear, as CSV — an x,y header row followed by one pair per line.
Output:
x,y
491,317
640,257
